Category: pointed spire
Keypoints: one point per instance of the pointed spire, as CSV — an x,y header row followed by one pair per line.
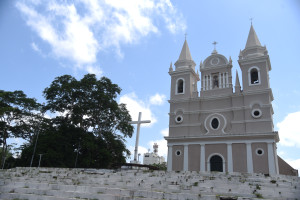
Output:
x,y
237,83
185,58
252,38
241,54
171,67
237,80
185,52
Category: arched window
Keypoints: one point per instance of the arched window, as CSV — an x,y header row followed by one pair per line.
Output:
x,y
180,86
254,76
216,82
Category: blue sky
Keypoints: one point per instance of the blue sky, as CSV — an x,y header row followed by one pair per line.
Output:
x,y
133,43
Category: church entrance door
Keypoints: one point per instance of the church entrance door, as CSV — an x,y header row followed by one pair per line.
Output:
x,y
216,163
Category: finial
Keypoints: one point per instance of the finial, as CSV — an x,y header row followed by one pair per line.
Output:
x,y
241,54
171,68
214,51
214,43
251,20
185,36
201,64
230,60
237,83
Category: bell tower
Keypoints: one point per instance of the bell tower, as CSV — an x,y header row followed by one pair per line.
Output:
x,y
184,78
216,75
255,64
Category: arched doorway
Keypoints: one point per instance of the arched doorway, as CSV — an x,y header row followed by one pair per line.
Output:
x,y
216,163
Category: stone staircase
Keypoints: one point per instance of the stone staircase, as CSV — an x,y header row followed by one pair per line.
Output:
x,y
92,184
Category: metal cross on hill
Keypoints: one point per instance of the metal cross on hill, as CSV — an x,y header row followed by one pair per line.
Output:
x,y
139,122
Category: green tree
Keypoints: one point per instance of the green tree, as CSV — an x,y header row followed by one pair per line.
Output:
x,y
89,106
18,117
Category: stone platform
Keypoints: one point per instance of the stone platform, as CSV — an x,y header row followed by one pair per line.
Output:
x,y
66,184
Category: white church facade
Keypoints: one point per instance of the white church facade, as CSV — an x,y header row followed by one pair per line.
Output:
x,y
224,128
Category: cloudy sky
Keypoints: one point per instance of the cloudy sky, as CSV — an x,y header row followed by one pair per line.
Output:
x,y
132,42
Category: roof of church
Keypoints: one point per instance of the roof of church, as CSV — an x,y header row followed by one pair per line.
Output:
x,y
185,52
252,38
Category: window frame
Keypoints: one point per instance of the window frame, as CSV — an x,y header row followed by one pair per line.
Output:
x,y
258,74
177,85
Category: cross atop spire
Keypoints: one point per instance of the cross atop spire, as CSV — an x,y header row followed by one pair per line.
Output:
x,y
215,50
251,20
214,43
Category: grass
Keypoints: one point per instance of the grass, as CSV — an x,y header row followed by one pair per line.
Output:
x,y
258,187
259,196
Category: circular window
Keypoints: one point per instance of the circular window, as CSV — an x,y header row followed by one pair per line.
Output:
x,y
259,152
256,113
178,119
214,61
177,152
215,123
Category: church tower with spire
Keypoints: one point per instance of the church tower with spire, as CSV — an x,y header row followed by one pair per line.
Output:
x,y
221,129
184,78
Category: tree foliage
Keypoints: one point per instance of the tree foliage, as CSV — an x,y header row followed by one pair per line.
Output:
x,y
89,104
18,117
90,127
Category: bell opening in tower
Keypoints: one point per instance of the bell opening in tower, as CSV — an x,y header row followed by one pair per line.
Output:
x,y
254,76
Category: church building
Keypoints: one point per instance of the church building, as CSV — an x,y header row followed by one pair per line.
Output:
x,y
225,128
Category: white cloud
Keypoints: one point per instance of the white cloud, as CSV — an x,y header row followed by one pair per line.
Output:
x,y
94,70
135,105
281,153
78,30
158,99
165,132
75,41
162,144
35,47
294,163
141,150
289,131
162,147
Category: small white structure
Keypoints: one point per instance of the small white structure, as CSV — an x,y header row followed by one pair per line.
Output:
x,y
153,158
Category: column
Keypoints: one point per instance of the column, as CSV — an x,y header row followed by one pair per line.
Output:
x,y
170,151
186,158
271,159
203,84
227,85
276,158
202,158
220,83
229,157
249,158
206,77
210,82
223,79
